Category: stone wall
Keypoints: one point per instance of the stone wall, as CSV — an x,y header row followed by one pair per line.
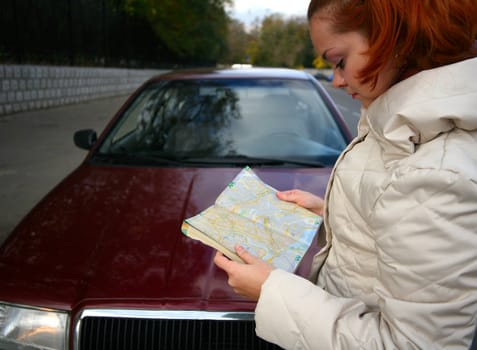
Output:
x,y
28,87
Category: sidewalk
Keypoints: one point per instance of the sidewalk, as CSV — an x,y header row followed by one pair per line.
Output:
x,y
37,152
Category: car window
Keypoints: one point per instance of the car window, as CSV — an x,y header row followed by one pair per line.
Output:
x,y
217,118
142,106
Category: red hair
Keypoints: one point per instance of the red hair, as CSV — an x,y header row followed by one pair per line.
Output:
x,y
420,34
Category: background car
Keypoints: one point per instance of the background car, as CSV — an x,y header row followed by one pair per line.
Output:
x,y
101,263
324,76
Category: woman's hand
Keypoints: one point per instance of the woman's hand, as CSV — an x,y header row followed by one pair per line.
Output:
x,y
245,279
304,199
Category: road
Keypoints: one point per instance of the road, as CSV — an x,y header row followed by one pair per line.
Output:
x,y
37,150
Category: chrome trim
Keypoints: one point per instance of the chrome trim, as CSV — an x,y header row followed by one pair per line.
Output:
x,y
33,307
157,314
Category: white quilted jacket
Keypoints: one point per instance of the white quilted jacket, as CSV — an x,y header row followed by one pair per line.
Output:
x,y
399,269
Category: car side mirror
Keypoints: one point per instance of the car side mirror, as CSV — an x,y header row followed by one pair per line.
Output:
x,y
85,139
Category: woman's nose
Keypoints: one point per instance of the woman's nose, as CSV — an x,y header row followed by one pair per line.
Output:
x,y
338,80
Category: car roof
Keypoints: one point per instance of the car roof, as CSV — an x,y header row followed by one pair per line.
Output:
x,y
232,73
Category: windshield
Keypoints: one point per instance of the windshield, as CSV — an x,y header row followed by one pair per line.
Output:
x,y
223,119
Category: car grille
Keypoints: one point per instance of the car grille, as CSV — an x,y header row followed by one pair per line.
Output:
x,y
133,329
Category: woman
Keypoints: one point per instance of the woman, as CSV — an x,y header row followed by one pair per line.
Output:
x,y
399,267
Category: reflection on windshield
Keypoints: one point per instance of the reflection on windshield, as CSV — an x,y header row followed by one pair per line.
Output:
x,y
222,118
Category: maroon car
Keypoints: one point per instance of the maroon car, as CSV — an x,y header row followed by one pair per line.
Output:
x,y
101,263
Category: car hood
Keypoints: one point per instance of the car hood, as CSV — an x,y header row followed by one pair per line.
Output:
x,y
111,236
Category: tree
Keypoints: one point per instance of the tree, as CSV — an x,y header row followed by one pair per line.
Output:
x,y
237,42
194,30
282,42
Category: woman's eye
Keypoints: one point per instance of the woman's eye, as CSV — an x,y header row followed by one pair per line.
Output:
x,y
340,64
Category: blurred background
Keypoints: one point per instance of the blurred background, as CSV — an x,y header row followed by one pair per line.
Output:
x,y
155,33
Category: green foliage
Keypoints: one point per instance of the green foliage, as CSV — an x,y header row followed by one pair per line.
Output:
x,y
188,28
237,41
148,33
275,42
283,42
201,31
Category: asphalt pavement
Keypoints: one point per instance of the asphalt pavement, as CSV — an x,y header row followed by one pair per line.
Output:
x,y
37,149
37,152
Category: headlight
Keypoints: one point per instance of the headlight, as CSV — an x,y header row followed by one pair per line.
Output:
x,y
32,328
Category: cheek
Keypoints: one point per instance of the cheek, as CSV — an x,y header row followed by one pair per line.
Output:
x,y
352,69
386,79
351,78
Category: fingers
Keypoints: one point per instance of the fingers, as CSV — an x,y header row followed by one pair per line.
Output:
x,y
245,279
222,261
304,199
245,255
226,264
289,196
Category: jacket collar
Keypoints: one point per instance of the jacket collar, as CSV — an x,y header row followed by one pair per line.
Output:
x,y
420,108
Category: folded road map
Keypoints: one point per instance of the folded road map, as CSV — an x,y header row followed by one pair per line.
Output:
x,y
248,213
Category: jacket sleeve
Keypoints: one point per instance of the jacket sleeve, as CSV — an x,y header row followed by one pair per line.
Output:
x,y
426,287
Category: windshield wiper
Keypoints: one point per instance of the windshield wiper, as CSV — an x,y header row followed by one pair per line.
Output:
x,y
241,159
135,158
236,159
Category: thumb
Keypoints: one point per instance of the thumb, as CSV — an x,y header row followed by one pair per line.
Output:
x,y
245,255
288,196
